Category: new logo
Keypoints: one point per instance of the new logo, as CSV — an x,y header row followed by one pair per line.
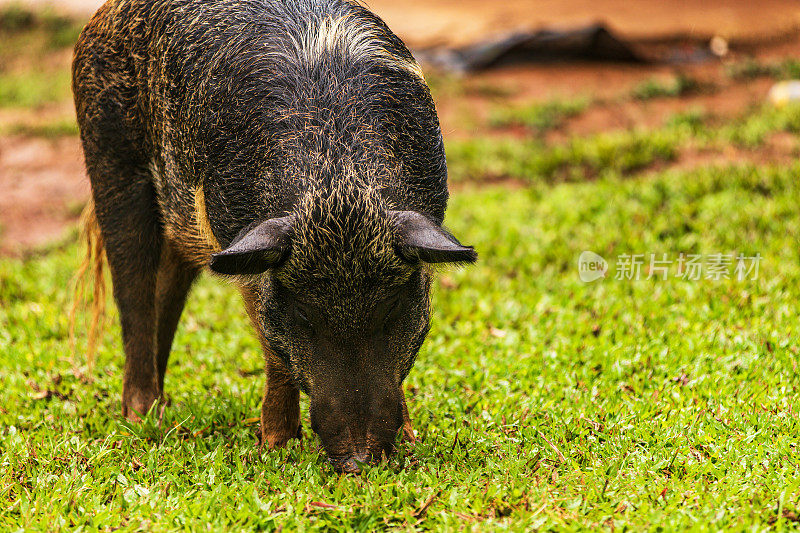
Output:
x,y
591,267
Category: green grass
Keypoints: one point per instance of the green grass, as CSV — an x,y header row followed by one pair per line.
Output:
x,y
539,117
541,401
38,30
616,152
56,128
576,160
751,68
34,88
679,85
35,56
751,130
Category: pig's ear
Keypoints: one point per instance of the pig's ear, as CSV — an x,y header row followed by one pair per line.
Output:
x,y
255,250
421,239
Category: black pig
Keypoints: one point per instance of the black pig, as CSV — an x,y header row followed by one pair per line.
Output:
x,y
294,147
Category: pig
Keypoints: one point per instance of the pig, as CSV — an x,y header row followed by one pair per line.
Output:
x,y
292,147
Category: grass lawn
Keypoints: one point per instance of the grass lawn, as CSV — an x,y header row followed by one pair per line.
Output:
x,y
541,401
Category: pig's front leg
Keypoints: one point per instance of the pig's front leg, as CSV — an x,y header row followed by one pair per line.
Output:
x,y
280,410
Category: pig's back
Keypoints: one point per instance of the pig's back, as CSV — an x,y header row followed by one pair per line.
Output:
x,y
255,101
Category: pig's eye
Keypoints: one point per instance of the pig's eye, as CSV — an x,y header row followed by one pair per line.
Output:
x,y
301,317
392,312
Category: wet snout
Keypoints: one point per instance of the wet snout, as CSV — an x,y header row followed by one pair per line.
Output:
x,y
357,426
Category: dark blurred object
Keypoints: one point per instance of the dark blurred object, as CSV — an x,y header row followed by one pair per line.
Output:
x,y
592,43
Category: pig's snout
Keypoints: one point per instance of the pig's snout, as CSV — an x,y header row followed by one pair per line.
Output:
x,y
351,465
357,430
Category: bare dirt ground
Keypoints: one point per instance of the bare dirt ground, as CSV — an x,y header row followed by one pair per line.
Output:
x,y
43,188
44,182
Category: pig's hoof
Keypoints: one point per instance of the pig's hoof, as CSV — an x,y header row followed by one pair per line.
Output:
x,y
278,439
137,405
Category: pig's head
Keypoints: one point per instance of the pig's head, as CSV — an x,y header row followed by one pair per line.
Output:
x,y
344,301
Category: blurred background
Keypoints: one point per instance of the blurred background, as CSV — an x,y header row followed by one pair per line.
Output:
x,y
517,83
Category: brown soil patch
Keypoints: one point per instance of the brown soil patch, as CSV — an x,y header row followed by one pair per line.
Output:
x,y
778,149
610,87
425,22
723,102
44,187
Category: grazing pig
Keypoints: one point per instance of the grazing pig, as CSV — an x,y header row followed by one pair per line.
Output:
x,y
293,146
